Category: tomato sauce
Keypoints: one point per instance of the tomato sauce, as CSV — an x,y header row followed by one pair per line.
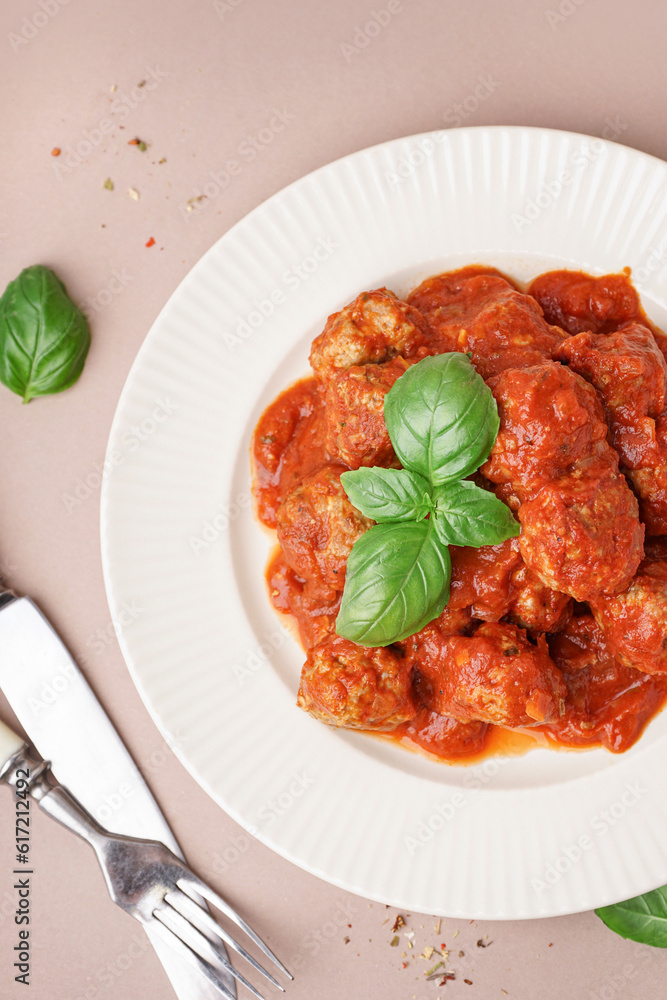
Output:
x,y
609,703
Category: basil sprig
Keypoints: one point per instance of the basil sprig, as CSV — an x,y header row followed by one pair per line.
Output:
x,y
44,337
442,420
642,919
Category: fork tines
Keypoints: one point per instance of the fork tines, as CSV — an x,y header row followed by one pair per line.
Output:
x,y
190,927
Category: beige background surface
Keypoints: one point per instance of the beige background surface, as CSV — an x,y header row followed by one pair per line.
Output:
x,y
216,74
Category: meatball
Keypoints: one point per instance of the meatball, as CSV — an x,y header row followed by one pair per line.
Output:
x,y
576,301
356,431
317,527
486,315
549,419
373,328
493,581
635,622
581,535
424,646
315,612
534,606
628,370
482,579
356,687
608,702
579,646
496,675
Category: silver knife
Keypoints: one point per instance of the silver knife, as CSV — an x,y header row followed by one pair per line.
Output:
x,y
68,726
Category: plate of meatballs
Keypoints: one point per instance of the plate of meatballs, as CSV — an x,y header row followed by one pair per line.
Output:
x,y
506,759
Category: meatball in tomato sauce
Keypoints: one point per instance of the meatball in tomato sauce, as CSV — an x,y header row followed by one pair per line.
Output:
x,y
495,675
356,431
373,328
487,316
317,527
344,684
634,622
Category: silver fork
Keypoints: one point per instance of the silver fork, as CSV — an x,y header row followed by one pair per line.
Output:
x,y
143,876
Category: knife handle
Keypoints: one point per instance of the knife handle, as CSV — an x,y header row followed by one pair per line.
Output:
x,y
10,744
22,768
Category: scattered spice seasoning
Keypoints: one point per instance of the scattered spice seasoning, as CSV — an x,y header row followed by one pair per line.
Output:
x,y
483,944
190,204
394,941
55,151
427,952
133,193
446,978
163,160
143,146
398,922
346,940
108,184
150,242
468,981
438,926
433,972
114,88
142,83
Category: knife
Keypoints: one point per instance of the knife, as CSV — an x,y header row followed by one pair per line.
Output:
x,y
68,726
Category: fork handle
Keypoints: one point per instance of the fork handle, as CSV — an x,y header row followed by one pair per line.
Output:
x,y
23,769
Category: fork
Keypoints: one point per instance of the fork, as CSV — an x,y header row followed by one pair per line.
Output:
x,y
143,876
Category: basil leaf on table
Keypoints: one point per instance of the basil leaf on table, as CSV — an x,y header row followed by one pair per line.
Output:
x,y
44,337
397,581
388,494
441,417
642,919
465,514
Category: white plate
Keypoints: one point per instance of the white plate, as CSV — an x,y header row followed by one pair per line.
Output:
x,y
544,834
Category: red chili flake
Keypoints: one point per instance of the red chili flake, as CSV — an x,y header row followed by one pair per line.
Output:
x,y
151,242
551,944
346,940
404,965
446,978
398,922
442,946
55,151
468,981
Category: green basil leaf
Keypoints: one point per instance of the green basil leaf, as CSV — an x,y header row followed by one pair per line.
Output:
x,y
642,919
44,337
388,494
397,581
442,418
465,514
